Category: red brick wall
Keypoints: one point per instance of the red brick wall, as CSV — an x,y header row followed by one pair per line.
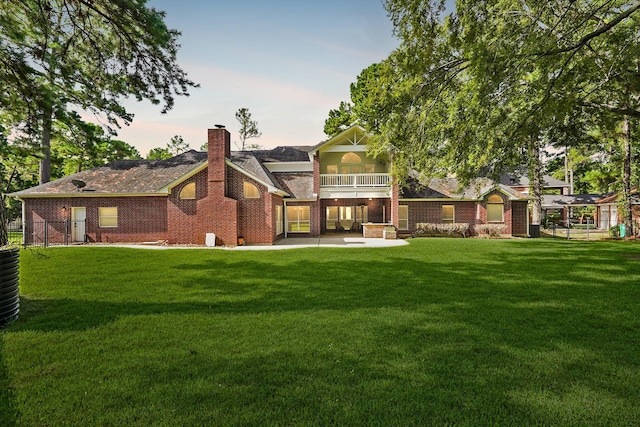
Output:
x,y
395,196
519,214
471,212
218,213
140,219
431,212
256,216
507,216
183,214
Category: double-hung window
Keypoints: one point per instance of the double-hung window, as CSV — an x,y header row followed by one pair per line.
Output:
x,y
108,217
495,209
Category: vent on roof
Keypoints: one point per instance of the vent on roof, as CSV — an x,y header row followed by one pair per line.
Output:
x,y
79,184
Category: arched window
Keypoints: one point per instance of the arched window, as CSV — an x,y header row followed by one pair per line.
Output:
x,y
495,209
188,192
351,158
251,191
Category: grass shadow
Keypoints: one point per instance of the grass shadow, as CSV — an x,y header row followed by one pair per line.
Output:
x,y
8,406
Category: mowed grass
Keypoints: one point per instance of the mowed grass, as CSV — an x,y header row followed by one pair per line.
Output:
x,y
442,331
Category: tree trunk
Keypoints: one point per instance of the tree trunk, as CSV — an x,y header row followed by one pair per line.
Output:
x,y
626,176
566,164
45,145
4,233
535,179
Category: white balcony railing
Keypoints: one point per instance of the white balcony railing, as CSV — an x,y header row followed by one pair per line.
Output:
x,y
366,180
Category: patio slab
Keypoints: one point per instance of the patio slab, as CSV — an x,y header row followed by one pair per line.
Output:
x,y
325,241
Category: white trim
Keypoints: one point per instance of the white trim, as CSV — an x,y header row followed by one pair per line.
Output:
x,y
438,199
346,149
88,194
270,187
333,193
289,166
167,188
342,135
498,187
301,200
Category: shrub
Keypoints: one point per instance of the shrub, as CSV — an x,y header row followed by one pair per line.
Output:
x,y
614,231
432,229
491,230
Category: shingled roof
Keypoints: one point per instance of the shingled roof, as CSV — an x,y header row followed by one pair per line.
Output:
x,y
123,177
284,154
133,177
298,185
523,181
450,188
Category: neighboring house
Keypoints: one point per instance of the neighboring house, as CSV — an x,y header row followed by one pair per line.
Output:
x,y
565,206
521,183
609,214
257,197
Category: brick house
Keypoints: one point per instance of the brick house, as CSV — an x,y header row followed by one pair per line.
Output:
x,y
256,197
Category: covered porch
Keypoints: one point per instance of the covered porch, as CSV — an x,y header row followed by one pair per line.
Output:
x,y
339,216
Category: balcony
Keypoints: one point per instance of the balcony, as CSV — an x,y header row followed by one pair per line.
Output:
x,y
364,180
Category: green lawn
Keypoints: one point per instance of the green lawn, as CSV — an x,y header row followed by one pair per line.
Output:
x,y
442,331
15,237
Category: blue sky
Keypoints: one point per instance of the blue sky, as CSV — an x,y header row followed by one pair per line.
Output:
x,y
289,62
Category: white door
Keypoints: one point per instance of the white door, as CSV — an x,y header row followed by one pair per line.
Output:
x,y
604,218
613,219
78,221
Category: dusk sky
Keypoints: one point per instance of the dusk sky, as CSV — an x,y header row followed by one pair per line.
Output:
x,y
289,62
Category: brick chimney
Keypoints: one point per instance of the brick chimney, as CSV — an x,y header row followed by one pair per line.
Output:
x,y
217,213
219,149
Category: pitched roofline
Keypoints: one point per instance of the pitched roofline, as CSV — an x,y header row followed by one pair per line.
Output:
x,y
82,194
331,140
167,188
270,187
509,192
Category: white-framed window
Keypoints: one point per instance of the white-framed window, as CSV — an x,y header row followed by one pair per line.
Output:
x,y
188,192
332,169
108,217
448,214
403,217
351,158
495,209
279,220
250,191
298,219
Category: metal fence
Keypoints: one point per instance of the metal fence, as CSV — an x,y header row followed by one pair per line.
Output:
x,y
589,231
15,232
43,233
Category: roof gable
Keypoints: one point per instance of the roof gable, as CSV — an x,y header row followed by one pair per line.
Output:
x,y
354,136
